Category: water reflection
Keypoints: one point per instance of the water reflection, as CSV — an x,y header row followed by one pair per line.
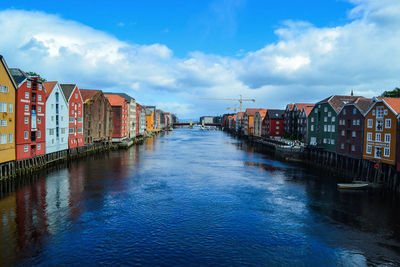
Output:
x,y
194,197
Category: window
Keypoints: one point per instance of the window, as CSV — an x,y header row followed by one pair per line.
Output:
x,y
51,131
325,119
26,135
10,108
354,111
3,139
386,152
71,130
324,141
80,130
329,114
3,107
353,134
379,112
358,122
80,120
353,148
343,132
325,109
38,147
26,95
72,112
312,119
344,112
388,123
354,122
341,146
332,141
40,97
3,123
26,148
387,138
79,105
3,89
333,119
370,123
385,112
379,125
62,130
369,149
378,137
329,128
369,136
76,95
315,111
325,128
10,138
40,87
373,112
26,120
312,128
28,84
277,127
39,120
39,134
378,152
39,109
277,133
26,107
333,128
52,118
71,119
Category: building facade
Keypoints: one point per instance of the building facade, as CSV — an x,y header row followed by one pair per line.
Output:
x,y
57,118
97,120
273,124
288,131
322,123
131,112
380,128
75,113
8,90
350,140
248,120
302,122
30,116
258,119
119,117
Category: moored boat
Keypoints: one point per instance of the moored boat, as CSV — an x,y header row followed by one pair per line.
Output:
x,y
354,186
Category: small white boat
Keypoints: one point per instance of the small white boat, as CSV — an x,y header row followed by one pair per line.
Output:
x,y
355,186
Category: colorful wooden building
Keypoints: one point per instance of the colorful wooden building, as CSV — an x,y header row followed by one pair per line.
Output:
x,y
57,118
30,115
273,124
322,123
75,110
8,90
302,121
258,119
97,120
119,117
248,120
149,120
131,113
289,119
350,139
380,130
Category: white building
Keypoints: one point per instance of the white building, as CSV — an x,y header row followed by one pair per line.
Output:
x,y
56,118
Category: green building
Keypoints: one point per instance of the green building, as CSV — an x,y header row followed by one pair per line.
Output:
x,y
322,122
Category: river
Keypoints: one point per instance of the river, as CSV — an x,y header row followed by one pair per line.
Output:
x,y
195,197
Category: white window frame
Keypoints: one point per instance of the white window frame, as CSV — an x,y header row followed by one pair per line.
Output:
x,y
386,152
26,148
369,149
3,139
387,138
26,135
369,136
10,138
388,123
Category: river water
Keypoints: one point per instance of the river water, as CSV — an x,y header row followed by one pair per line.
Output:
x,y
195,197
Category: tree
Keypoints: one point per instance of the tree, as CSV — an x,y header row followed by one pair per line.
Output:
x,y
394,93
31,73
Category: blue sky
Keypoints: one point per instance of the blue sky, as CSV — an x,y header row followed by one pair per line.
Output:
x,y
173,53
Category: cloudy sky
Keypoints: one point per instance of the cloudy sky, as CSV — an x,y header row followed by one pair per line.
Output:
x,y
173,53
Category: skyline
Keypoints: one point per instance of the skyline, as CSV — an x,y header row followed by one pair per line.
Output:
x,y
287,57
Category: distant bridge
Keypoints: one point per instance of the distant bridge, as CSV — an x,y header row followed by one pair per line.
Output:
x,y
190,124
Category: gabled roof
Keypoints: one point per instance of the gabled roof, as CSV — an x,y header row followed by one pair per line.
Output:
x,y
49,86
300,106
289,107
262,113
338,101
67,89
363,104
240,115
18,75
308,109
126,96
252,111
392,102
115,100
88,94
276,113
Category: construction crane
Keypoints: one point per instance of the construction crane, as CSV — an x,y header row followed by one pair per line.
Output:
x,y
241,99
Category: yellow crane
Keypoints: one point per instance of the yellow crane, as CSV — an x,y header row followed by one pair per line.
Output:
x,y
241,99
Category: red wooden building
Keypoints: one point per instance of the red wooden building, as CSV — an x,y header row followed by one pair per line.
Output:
x,y
119,117
273,123
30,115
75,110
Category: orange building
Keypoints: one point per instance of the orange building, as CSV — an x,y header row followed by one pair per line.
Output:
x,y
380,130
248,125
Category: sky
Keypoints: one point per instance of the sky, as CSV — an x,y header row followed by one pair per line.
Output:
x,y
174,53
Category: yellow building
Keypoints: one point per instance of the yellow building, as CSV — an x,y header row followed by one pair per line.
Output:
x,y
7,113
149,120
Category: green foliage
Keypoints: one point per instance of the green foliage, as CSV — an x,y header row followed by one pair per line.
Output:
x,y
31,73
394,93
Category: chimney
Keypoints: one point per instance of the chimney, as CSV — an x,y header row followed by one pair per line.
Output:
x,y
352,93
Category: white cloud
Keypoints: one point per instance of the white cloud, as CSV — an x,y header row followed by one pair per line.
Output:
x,y
306,63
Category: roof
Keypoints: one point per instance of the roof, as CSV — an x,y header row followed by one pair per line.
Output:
x,y
68,89
290,107
49,86
300,106
240,115
115,100
252,111
88,94
262,112
126,96
363,104
392,102
308,109
276,113
338,101
18,75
